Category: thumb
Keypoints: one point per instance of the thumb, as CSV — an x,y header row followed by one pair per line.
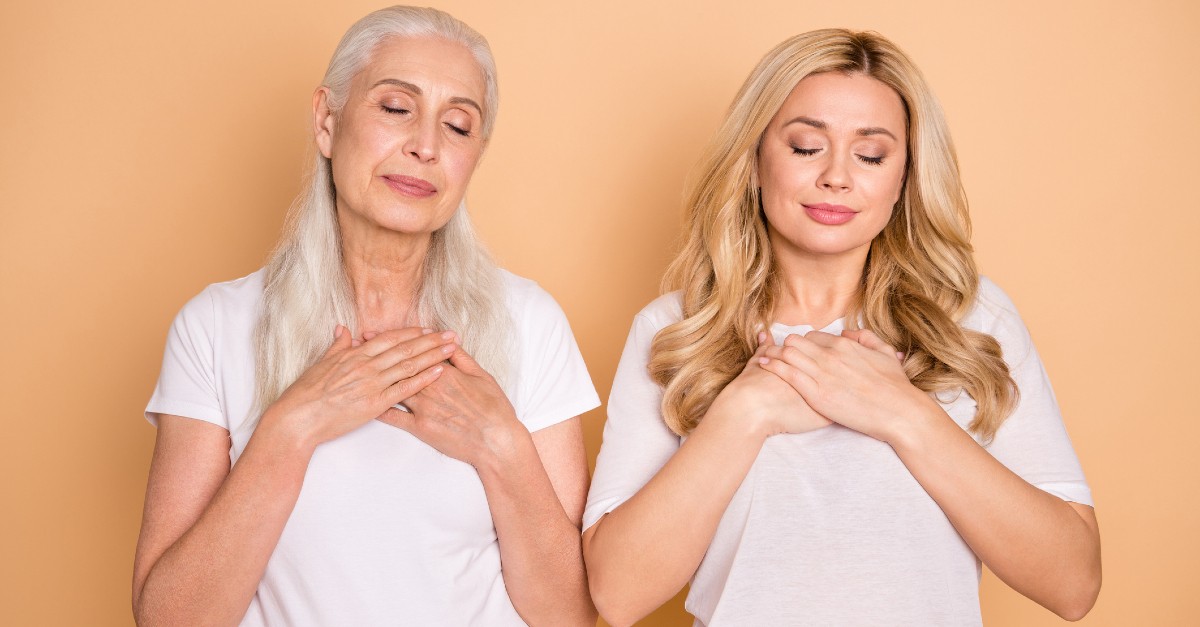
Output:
x,y
466,363
397,418
341,340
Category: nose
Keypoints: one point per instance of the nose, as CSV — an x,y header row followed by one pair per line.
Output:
x,y
835,177
424,141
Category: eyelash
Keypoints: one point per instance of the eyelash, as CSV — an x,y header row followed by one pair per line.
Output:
x,y
461,131
808,152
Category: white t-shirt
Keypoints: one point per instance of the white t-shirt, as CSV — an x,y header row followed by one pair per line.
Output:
x,y
386,530
829,527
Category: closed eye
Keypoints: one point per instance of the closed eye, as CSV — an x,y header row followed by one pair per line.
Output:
x,y
461,131
388,109
807,152
871,160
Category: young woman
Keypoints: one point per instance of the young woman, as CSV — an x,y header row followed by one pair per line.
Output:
x,y
834,419
333,448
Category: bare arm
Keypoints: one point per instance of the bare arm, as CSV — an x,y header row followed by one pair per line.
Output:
x,y
643,552
535,486
1042,546
536,490
208,531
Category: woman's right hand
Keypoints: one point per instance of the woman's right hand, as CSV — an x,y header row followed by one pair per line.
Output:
x,y
354,382
766,400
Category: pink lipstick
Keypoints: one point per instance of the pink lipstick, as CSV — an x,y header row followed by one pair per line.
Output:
x,y
831,215
410,185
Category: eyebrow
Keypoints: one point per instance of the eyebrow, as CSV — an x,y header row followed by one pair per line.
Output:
x,y
416,91
865,132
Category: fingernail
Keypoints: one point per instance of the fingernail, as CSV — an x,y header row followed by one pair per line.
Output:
x,y
448,335
337,333
763,360
426,331
437,370
447,349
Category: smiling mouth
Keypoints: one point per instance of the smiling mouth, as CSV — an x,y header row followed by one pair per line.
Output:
x,y
410,185
830,215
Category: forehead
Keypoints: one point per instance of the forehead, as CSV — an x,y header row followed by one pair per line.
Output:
x,y
845,101
434,64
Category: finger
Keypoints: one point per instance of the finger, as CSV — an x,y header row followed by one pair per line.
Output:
x,y
800,381
388,339
411,366
411,348
867,338
821,338
806,345
765,338
404,389
792,356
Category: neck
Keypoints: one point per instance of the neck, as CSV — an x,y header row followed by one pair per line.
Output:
x,y
817,289
384,268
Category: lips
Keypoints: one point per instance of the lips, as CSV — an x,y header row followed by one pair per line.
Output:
x,y
831,215
410,185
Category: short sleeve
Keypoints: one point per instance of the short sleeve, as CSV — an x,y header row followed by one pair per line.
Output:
x,y
1032,441
187,382
637,443
552,384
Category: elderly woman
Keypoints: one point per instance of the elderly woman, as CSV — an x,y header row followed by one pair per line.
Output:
x,y
836,418
364,431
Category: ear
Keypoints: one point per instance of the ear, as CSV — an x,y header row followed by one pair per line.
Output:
x,y
323,121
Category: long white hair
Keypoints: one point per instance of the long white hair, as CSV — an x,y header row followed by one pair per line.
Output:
x,y
306,289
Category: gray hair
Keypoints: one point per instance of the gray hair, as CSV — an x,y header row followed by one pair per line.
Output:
x,y
307,292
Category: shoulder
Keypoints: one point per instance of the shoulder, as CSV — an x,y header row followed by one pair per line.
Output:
x,y
227,299
662,311
995,313
528,301
992,302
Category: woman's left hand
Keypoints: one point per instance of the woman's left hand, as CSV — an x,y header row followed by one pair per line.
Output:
x,y
464,414
855,379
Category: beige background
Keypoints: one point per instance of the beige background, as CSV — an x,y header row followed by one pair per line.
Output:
x,y
148,150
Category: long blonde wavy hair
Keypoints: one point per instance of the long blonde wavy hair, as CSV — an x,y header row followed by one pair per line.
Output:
x,y
306,289
920,278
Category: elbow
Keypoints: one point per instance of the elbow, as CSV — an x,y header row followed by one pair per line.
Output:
x,y
613,606
608,606
617,616
136,603
1080,597
1076,611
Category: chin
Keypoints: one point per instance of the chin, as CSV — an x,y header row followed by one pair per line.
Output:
x,y
838,244
411,221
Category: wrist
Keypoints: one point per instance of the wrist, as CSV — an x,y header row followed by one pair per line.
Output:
x,y
503,447
287,431
912,426
736,419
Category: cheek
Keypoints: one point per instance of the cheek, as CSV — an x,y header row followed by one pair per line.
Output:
x,y
885,189
460,166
